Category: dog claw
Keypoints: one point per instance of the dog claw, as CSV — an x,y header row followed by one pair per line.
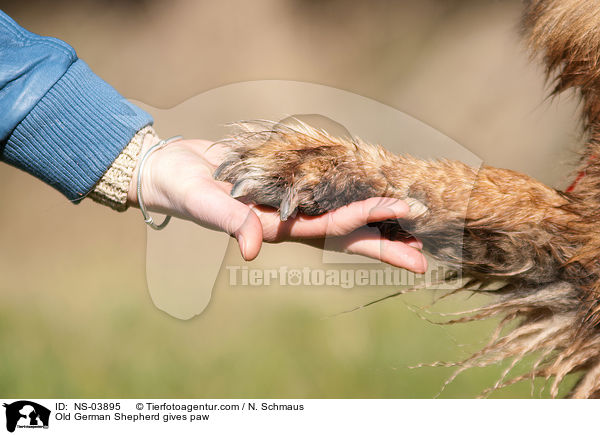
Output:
x,y
288,205
220,169
240,188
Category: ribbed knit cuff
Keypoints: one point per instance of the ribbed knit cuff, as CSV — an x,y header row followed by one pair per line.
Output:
x,y
114,185
75,132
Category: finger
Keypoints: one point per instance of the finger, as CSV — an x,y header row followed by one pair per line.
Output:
x,y
368,242
346,219
216,209
334,223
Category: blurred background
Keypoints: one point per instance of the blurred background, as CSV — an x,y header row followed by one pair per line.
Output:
x,y
76,319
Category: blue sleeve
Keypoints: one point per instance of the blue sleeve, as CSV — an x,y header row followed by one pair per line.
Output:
x,y
60,122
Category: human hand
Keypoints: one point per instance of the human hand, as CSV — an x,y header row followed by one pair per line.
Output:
x,y
178,181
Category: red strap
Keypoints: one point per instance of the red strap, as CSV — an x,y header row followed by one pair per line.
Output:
x,y
575,181
579,176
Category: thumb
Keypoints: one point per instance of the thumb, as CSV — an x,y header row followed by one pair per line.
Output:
x,y
215,209
249,234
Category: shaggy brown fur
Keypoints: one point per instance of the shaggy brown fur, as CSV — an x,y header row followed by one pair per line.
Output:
x,y
496,224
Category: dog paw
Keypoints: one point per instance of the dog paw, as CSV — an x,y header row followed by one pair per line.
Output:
x,y
297,169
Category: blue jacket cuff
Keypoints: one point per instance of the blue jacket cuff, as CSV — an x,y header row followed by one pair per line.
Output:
x,y
74,133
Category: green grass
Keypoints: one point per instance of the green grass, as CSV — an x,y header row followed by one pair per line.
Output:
x,y
249,343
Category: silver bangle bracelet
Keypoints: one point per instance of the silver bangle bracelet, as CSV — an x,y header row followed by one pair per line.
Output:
x,y
147,218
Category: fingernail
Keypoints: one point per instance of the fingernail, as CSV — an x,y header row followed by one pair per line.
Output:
x,y
397,209
415,244
242,243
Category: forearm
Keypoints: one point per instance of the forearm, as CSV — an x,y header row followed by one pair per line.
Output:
x,y
60,122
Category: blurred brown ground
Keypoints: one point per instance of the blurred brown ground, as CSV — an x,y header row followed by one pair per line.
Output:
x,y
74,307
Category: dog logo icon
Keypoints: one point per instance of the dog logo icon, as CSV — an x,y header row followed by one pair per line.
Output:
x,y
26,414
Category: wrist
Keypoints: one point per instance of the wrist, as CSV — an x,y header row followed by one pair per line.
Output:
x,y
113,188
149,139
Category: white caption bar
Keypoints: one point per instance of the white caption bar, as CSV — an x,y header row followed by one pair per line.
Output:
x,y
35,416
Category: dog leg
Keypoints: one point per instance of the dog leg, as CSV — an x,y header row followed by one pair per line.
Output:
x,y
490,221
